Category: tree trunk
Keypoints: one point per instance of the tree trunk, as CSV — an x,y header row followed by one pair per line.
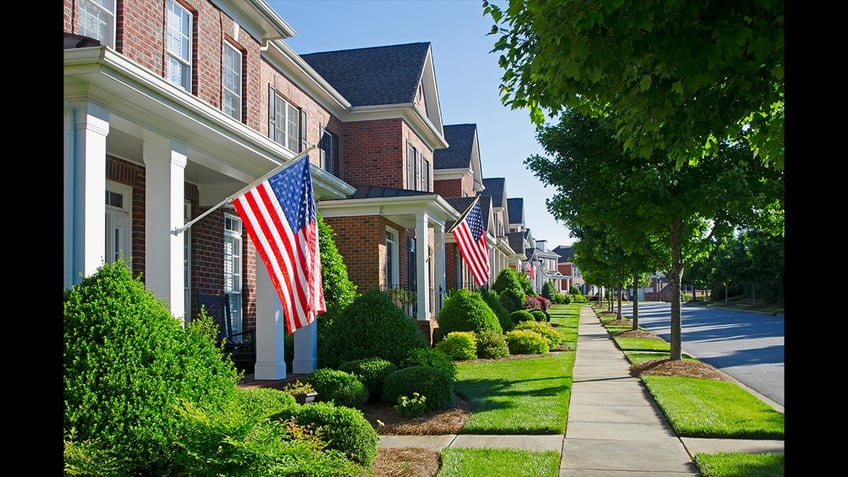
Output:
x,y
676,274
620,293
635,302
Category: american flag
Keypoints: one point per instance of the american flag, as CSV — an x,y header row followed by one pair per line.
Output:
x,y
279,215
528,267
471,239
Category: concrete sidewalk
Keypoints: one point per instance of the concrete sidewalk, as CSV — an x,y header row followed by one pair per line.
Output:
x,y
614,427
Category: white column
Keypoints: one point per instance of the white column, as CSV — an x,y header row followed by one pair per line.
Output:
x,y
422,275
270,328
306,349
165,162
85,185
439,241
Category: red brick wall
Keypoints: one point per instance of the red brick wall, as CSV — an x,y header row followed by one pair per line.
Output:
x,y
448,188
360,241
123,172
373,154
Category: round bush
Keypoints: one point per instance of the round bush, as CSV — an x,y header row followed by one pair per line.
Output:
x,y
491,345
431,357
550,333
520,316
129,365
344,429
540,316
371,326
465,310
372,372
459,345
491,299
430,382
526,342
512,300
340,387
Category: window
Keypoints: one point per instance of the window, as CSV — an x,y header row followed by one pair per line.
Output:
x,y
178,45
118,223
329,152
391,274
284,122
232,268
97,20
232,81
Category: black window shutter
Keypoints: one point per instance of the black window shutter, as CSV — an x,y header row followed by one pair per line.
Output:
x,y
303,144
336,156
272,113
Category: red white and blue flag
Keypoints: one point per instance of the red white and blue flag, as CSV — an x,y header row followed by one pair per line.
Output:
x,y
279,215
528,267
470,237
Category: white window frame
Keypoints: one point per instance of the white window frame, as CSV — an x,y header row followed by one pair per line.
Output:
x,y
231,80
392,271
178,45
97,20
118,222
233,268
285,123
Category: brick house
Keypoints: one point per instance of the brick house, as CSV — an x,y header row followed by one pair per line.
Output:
x,y
171,107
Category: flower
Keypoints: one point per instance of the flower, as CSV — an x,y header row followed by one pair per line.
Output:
x,y
411,407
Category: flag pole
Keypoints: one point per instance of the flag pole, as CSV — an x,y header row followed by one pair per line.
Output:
x,y
273,171
462,216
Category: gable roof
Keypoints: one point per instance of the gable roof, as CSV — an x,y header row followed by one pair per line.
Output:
x,y
495,187
460,152
373,76
515,209
567,253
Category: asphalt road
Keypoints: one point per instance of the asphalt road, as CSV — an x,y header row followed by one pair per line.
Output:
x,y
745,345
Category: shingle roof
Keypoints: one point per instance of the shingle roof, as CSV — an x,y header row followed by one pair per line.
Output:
x,y
460,138
373,76
494,187
515,209
567,253
460,204
516,241
368,192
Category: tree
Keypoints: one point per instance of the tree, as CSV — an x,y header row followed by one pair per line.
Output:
x,y
680,76
640,204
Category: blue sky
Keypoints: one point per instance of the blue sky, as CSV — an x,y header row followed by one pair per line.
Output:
x,y
467,77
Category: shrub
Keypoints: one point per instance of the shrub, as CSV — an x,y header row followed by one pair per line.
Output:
x,y
343,428
339,291
263,400
371,326
510,290
526,342
459,345
431,357
540,316
340,387
129,365
491,345
372,372
537,303
519,316
465,310
512,300
424,380
491,299
551,334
